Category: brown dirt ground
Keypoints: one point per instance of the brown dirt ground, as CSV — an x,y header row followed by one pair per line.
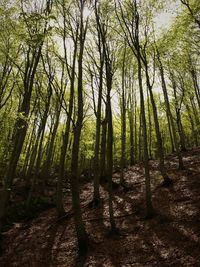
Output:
x,y
171,238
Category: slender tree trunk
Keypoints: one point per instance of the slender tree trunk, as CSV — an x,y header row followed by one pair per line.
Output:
x,y
103,150
47,164
170,133
123,123
135,130
131,128
65,141
149,206
79,225
149,126
39,154
28,152
33,156
109,148
168,110
140,142
110,152
194,132
178,116
96,197
158,133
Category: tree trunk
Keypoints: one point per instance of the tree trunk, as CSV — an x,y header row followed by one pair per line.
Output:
x,y
123,122
168,110
46,167
131,128
96,196
103,150
149,206
79,225
149,126
157,129
178,116
194,132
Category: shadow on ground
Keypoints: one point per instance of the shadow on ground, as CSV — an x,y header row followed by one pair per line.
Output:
x,y
171,238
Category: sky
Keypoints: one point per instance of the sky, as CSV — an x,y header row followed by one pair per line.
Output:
x,y
165,19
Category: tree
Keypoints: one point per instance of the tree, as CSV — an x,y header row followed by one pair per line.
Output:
x,y
193,8
80,229
130,27
168,111
32,58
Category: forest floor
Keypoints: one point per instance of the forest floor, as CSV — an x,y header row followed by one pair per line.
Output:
x,y
171,238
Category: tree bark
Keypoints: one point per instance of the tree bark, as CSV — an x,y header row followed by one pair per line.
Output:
x,y
168,110
79,225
